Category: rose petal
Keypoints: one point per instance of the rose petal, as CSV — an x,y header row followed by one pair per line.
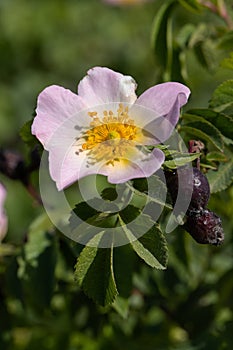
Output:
x,y
162,97
62,120
102,85
163,102
136,168
55,104
161,128
76,167
71,168
68,164
66,156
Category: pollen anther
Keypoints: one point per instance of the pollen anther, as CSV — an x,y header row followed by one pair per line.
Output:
x,y
109,135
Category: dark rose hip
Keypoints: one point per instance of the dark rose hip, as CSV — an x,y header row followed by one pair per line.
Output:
x,y
187,180
203,225
205,228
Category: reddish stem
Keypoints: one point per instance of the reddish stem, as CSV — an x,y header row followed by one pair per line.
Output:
x,y
32,191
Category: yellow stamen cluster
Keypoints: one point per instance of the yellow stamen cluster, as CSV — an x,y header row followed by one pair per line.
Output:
x,y
109,136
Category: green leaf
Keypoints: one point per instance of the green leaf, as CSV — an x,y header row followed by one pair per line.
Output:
x,y
94,273
204,46
37,263
159,31
83,211
222,98
222,178
26,134
86,221
38,239
157,189
154,242
203,130
109,193
123,263
84,232
216,156
180,161
147,250
206,53
191,5
43,276
7,249
169,55
129,213
203,31
195,131
121,305
88,212
151,247
228,62
177,67
222,122
184,35
225,42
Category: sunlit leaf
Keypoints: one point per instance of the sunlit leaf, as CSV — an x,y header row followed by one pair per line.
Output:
x,y
223,122
222,98
94,273
121,305
151,189
180,161
228,62
216,156
202,130
38,239
37,263
221,178
151,246
154,242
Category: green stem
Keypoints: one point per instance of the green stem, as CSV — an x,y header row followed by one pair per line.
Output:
x,y
220,9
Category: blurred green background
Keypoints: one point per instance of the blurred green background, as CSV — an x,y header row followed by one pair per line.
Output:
x,y
187,307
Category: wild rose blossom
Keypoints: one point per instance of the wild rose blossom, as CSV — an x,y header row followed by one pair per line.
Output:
x,y
105,128
3,218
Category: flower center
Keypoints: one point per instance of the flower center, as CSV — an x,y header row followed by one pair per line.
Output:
x,y
114,135
109,136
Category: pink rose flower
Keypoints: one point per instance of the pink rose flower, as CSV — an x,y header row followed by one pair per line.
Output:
x,y
105,129
3,218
